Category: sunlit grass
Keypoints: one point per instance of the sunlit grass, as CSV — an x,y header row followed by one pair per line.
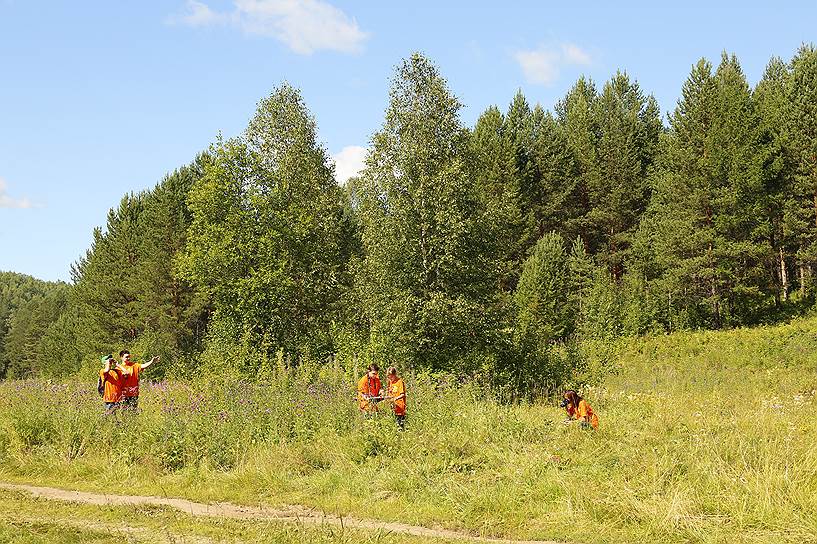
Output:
x,y
705,437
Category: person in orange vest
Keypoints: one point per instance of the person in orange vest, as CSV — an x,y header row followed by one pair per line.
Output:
x,y
579,409
397,396
131,372
368,390
110,383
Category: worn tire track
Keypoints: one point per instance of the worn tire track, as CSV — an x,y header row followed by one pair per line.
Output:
x,y
292,514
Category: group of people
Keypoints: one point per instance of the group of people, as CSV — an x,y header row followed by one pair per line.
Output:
x,y
119,386
370,393
119,381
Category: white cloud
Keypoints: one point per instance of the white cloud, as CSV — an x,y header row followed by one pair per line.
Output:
x,y
305,26
198,14
543,65
572,54
8,202
539,66
349,162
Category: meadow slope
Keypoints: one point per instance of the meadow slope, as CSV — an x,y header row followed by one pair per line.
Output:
x,y
705,437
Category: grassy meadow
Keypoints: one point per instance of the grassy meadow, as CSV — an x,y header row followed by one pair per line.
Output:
x,y
704,437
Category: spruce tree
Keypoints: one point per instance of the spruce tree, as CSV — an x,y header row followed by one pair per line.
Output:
x,y
545,317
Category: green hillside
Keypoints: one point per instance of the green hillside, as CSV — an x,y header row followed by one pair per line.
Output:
x,y
704,437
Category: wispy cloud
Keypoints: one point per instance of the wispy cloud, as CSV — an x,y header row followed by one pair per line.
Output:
x,y
198,14
305,26
7,201
543,65
572,54
349,162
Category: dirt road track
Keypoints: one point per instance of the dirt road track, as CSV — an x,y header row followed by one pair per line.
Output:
x,y
297,514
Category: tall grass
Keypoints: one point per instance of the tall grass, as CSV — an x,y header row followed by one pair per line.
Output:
x,y
705,437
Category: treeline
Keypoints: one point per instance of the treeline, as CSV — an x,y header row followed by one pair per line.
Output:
x,y
28,307
499,251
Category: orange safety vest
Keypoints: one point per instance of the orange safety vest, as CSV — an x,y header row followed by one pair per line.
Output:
x,y
395,390
368,386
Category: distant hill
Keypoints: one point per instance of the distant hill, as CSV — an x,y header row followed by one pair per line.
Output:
x,y
16,290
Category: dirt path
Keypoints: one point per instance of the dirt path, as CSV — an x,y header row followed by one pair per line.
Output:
x,y
125,533
298,514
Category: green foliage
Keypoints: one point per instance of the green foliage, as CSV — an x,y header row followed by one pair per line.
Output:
x,y
126,292
801,98
266,239
28,325
543,312
544,320
429,276
705,215
27,307
696,427
447,252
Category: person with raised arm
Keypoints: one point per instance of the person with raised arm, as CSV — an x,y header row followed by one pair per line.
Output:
x,y
132,372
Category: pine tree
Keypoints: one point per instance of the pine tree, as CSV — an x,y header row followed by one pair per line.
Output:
x,y
802,120
173,313
494,163
629,124
106,291
577,119
557,202
777,168
704,212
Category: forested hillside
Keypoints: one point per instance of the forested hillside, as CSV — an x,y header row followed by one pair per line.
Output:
x,y
500,251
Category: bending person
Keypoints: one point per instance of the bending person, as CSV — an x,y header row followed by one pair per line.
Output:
x,y
579,409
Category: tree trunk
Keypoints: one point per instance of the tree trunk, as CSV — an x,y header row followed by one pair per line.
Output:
x,y
802,271
784,278
713,292
815,200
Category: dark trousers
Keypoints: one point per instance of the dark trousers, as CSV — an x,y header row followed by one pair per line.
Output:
x,y
401,421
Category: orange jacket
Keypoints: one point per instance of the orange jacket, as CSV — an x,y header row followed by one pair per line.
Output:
x,y
130,382
396,389
112,381
585,414
368,387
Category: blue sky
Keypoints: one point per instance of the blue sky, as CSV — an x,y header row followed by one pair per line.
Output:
x,y
101,98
